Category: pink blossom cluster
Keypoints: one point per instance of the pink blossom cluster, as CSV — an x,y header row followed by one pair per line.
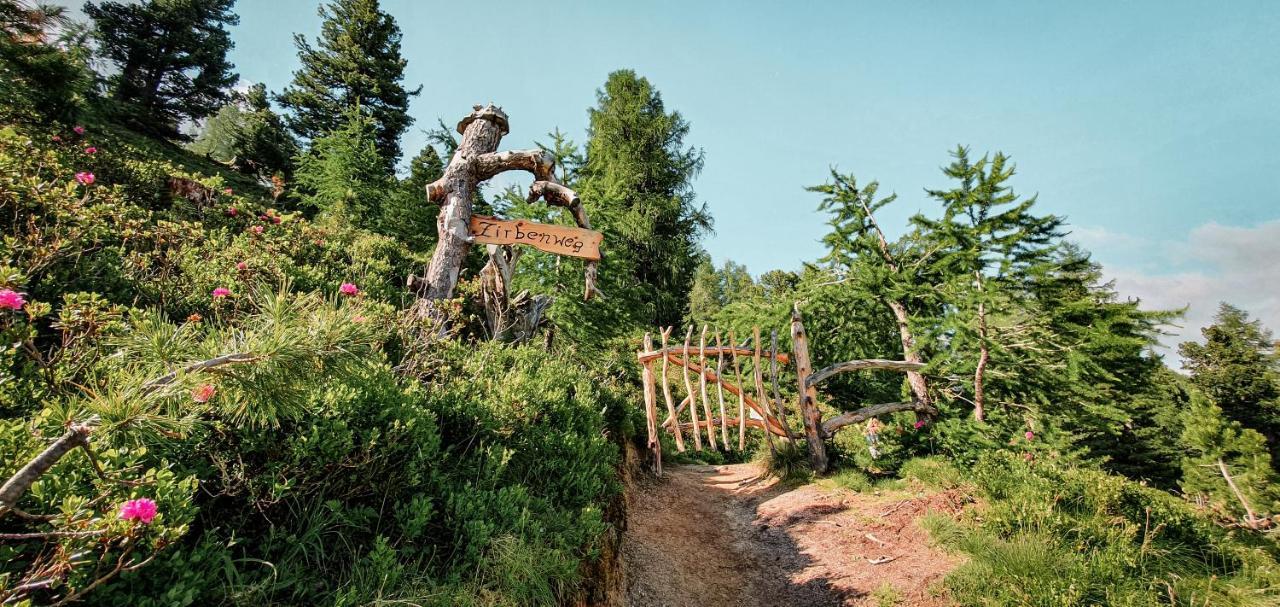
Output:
x,y
141,509
203,393
11,300
221,292
349,289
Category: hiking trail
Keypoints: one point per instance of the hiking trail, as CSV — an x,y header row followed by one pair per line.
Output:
x,y
731,536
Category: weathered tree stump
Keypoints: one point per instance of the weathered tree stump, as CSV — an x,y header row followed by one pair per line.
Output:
x,y
475,161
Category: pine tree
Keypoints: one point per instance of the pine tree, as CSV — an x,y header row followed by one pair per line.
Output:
x,y
172,57
342,174
988,241
637,184
356,62
1238,367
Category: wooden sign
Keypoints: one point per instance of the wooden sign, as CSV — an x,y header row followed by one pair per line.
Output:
x,y
561,240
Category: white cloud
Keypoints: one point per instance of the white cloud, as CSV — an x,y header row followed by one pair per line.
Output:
x,y
1238,265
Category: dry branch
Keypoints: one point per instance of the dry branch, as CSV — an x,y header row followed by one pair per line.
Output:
x,y
688,389
724,428
77,435
861,365
702,386
834,424
761,396
666,392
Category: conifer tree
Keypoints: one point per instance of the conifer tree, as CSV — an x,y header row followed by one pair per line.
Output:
x,y
988,240
637,184
1227,463
407,215
1238,367
356,62
342,174
249,135
172,57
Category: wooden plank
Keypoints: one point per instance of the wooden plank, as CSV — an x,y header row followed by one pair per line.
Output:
x,y
782,357
666,392
651,408
761,396
688,390
561,240
724,427
808,395
751,423
702,386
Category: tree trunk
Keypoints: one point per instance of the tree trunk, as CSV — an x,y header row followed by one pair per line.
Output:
x,y
984,356
482,131
919,387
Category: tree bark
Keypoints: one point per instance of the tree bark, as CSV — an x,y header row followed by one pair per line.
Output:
x,y
477,160
984,356
666,392
834,424
14,488
860,365
651,409
808,395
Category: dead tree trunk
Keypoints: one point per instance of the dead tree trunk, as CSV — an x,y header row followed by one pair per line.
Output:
x,y
808,395
477,160
984,356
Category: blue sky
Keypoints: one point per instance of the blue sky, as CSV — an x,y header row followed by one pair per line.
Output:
x,y
1153,126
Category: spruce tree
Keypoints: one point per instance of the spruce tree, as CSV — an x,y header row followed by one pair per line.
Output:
x,y
247,134
171,56
637,183
1227,464
356,63
1238,367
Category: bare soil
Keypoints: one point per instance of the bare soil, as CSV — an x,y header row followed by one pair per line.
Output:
x,y
729,536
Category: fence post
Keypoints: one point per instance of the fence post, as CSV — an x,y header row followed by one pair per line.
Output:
x,y
666,392
761,396
688,389
702,387
651,407
808,396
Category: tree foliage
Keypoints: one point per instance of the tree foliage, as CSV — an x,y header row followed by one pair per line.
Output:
x,y
356,62
171,56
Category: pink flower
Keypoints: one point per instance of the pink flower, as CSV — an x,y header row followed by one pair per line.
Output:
x,y
85,178
919,424
275,219
141,509
242,266
11,300
57,139
357,318
203,393
349,289
1030,435
231,211
78,129
227,191
256,229
1028,456
91,150
221,292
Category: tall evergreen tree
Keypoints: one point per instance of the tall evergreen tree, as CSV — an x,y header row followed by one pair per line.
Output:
x,y
172,57
356,63
341,175
637,184
1238,367
1227,464
988,241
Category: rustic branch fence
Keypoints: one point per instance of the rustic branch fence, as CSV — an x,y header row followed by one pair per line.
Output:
x,y
758,410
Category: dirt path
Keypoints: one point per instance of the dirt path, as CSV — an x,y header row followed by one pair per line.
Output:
x,y
723,536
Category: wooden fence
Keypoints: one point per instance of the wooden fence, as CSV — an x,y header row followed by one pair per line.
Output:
x,y
709,362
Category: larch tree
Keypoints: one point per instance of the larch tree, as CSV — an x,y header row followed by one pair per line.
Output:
x,y
1238,367
858,252
171,56
356,62
987,241
637,182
